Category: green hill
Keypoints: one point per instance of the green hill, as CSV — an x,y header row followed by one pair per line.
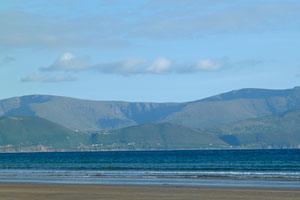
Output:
x,y
86,115
275,131
156,136
29,133
36,134
236,106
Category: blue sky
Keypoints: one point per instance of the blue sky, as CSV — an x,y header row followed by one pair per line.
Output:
x,y
155,50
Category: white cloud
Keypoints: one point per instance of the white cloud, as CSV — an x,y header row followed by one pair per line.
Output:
x,y
34,78
192,20
135,66
7,60
207,65
132,63
56,79
68,62
22,29
159,66
126,67
157,19
47,78
215,65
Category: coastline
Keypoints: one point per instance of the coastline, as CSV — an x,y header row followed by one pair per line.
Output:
x,y
267,169
13,151
226,183
132,192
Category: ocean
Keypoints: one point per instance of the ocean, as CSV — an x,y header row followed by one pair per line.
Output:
x,y
219,168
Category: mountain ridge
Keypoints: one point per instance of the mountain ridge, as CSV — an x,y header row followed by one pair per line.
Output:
x,y
161,136
90,115
275,131
30,133
248,93
34,134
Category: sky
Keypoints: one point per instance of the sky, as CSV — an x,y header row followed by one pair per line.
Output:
x,y
147,50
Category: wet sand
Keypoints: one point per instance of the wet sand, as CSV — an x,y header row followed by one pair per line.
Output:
x,y
86,192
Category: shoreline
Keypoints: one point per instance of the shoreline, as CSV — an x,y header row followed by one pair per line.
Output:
x,y
146,186
145,150
141,192
176,183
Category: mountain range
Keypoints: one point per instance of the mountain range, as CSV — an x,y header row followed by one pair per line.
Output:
x,y
246,118
86,115
37,134
274,131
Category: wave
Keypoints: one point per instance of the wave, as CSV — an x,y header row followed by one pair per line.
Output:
x,y
150,174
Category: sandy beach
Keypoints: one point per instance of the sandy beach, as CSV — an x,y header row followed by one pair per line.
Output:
x,y
86,192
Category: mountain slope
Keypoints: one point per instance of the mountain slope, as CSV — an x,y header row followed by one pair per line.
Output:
x,y
157,136
33,133
89,115
85,115
275,131
235,106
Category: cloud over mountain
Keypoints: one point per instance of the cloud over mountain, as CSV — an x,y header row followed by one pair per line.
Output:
x,y
47,79
159,66
7,60
68,62
164,19
63,68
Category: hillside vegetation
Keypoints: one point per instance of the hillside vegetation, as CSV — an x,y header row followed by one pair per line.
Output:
x,y
157,136
275,131
86,115
247,118
37,134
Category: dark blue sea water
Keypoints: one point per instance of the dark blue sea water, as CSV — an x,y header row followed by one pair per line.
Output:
x,y
221,168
